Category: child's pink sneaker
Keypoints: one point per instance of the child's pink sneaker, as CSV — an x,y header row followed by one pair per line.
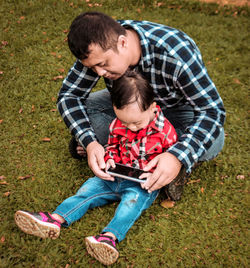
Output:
x,y
102,248
40,224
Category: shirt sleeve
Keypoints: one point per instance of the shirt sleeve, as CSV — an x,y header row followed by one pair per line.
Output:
x,y
71,102
112,149
170,135
199,90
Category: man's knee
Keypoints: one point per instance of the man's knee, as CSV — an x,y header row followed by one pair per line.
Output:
x,y
215,149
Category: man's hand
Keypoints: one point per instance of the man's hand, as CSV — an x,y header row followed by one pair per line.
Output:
x,y
95,153
167,168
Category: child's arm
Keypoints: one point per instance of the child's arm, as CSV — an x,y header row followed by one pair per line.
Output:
x,y
112,149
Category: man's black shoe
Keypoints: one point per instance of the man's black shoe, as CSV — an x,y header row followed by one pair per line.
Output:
x,y
174,189
72,149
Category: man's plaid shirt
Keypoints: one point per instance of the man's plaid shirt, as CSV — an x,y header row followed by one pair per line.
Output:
x,y
136,149
173,65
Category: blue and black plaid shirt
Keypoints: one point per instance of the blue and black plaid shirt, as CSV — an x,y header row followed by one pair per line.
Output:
x,y
173,65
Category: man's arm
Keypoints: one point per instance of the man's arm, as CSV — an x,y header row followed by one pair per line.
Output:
x,y
209,113
71,105
191,78
71,102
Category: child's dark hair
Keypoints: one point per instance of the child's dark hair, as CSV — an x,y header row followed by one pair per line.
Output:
x,y
93,28
132,87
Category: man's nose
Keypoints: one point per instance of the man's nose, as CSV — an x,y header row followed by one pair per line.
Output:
x,y
100,71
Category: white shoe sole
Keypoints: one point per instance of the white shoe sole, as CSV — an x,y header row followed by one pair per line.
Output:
x,y
103,252
31,225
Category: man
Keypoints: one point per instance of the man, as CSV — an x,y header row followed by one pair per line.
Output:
x,y
172,63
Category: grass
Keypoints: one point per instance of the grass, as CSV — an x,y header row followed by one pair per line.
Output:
x,y
207,228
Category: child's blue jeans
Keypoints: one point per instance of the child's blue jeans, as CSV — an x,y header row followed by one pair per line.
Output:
x,y
96,192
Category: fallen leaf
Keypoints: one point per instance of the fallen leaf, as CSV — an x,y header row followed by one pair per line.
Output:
x,y
20,111
1,121
240,177
152,217
1,72
167,203
202,189
53,110
58,77
193,181
2,239
61,70
24,177
3,182
6,194
46,139
237,81
2,177
33,108
4,43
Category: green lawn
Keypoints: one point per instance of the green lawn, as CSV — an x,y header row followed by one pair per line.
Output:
x,y
207,228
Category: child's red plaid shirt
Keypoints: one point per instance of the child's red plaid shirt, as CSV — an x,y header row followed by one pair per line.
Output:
x,y
136,149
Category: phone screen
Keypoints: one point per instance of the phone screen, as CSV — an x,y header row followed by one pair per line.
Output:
x,y
127,172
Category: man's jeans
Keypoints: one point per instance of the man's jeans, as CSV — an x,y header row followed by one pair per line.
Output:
x,y
101,114
96,192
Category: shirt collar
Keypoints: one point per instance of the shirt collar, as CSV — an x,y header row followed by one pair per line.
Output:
x,y
156,124
147,55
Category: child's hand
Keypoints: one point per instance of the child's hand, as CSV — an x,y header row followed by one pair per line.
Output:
x,y
109,163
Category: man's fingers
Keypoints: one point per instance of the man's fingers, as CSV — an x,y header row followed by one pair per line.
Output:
x,y
100,161
151,180
151,164
159,183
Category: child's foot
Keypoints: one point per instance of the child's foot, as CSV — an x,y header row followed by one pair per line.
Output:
x,y
102,248
40,224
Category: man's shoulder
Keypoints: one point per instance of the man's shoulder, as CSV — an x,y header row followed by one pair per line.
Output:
x,y
144,24
157,34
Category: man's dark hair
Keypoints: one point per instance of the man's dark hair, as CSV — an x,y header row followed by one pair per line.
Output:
x,y
132,87
93,28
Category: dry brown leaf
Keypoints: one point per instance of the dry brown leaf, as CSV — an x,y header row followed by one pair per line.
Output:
x,y
193,181
24,177
6,194
167,203
237,81
46,139
20,111
2,177
61,70
3,183
2,239
202,189
58,77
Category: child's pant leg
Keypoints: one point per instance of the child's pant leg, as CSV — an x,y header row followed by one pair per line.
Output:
x,y
94,192
134,201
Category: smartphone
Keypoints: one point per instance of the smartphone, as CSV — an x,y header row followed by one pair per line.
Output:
x,y
126,172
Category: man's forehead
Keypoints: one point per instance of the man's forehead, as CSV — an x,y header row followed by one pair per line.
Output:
x,y
95,57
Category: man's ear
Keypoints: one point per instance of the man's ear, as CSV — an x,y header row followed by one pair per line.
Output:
x,y
122,42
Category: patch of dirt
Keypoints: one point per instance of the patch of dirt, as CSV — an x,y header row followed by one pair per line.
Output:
x,y
229,2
